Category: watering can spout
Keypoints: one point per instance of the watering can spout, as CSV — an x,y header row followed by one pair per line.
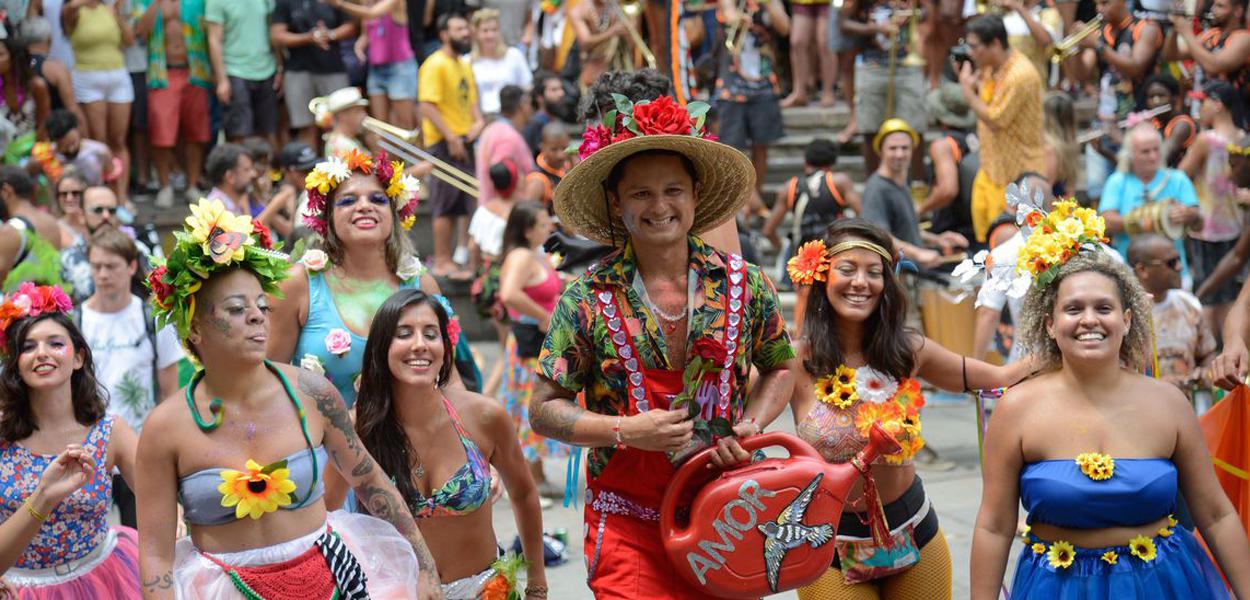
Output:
x,y
880,442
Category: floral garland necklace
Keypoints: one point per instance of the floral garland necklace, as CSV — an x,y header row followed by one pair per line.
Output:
x,y
866,396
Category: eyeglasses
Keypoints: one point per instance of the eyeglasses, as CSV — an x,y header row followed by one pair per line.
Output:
x,y
68,193
99,210
376,198
1171,263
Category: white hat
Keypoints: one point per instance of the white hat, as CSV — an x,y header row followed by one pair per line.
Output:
x,y
324,107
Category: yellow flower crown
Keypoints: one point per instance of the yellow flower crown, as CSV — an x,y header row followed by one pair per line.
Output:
x,y
326,176
1056,237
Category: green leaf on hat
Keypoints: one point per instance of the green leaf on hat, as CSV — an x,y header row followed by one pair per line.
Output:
x,y
609,120
623,105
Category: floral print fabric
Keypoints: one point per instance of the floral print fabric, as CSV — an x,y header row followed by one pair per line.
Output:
x,y
77,525
578,353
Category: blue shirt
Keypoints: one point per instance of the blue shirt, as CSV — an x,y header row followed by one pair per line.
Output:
x,y
1124,191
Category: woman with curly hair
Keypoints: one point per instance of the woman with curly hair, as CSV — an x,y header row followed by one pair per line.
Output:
x,y
1096,452
418,429
862,366
51,409
242,449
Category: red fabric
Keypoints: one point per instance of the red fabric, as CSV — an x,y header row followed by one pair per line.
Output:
x,y
1226,428
632,563
305,577
178,110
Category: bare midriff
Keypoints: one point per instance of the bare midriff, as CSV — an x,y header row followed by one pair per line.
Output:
x,y
1096,538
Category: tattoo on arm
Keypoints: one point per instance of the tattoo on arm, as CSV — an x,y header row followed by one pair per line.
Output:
x,y
160,582
331,406
555,418
384,503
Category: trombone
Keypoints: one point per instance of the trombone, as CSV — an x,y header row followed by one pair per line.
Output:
x,y
401,143
1094,134
737,34
1071,45
913,59
627,12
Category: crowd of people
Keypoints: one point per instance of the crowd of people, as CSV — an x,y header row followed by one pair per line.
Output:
x,y
597,171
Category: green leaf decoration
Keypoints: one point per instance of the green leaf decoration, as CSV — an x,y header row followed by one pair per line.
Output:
x,y
720,427
609,120
698,109
692,409
629,124
623,105
274,466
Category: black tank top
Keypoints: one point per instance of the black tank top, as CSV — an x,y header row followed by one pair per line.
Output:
x,y
957,216
54,97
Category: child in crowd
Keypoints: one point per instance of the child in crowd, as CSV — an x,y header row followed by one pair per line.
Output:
x,y
262,160
552,162
1184,343
343,112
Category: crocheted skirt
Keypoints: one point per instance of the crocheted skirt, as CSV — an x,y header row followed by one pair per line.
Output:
x,y
112,571
389,564
1179,569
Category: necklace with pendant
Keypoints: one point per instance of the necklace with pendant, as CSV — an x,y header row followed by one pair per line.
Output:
x,y
417,470
668,321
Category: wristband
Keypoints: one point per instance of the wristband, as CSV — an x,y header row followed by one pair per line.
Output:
x,y
616,431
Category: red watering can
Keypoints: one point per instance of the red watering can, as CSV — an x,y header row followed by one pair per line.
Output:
x,y
761,527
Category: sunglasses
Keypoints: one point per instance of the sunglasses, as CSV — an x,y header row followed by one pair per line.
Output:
x,y
1171,263
69,193
99,210
375,198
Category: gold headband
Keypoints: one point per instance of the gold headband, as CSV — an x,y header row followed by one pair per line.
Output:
x,y
1239,150
841,247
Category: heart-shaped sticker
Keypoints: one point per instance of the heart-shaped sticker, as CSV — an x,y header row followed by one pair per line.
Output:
x,y
631,365
735,261
618,338
635,378
735,277
735,304
735,292
614,325
734,319
730,346
627,352
638,393
610,310
605,297
642,404
732,332
724,376
724,388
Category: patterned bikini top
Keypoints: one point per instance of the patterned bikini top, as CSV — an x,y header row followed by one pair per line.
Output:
x,y
849,401
76,526
466,490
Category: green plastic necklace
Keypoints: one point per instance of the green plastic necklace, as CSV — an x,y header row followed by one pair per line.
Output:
x,y
219,414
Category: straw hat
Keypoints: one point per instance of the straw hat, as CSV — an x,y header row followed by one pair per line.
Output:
x,y
949,107
726,175
325,107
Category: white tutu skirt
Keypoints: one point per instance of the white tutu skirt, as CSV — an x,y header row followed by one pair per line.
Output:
x,y
385,556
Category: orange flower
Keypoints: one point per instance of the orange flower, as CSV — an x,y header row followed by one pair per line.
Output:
x,y
359,161
888,414
809,265
496,589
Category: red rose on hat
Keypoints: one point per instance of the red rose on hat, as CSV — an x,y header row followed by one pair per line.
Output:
x,y
662,116
593,139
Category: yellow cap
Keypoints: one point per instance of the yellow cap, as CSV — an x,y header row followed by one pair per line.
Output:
x,y
894,125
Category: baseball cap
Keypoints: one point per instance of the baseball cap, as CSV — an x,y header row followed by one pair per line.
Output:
x,y
299,156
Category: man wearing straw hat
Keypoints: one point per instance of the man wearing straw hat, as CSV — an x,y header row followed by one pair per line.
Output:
x,y
660,335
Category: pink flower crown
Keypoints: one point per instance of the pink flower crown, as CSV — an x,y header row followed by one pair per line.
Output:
x,y
326,176
31,300
662,116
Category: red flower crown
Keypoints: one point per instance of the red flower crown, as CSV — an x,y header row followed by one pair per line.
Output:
x,y
662,116
31,300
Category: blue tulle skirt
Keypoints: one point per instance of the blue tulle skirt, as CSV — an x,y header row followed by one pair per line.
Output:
x,y
1180,569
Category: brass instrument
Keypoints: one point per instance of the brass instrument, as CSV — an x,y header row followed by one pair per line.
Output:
x,y
737,34
1071,45
913,59
628,11
401,143
1090,136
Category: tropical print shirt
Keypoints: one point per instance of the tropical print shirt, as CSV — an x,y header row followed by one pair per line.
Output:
x,y
578,353
191,15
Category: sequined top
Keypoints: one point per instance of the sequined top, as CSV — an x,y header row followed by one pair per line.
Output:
x,y
76,526
839,433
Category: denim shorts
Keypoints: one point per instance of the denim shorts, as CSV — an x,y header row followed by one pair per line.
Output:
x,y
397,80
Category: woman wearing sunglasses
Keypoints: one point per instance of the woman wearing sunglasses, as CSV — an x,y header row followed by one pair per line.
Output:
x,y
361,208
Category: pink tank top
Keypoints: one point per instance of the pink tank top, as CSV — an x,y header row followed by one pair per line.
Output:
x,y
388,41
545,294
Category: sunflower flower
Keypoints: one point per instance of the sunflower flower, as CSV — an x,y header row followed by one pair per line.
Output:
x,y
844,396
1024,534
825,388
257,491
1165,532
1039,548
1096,466
209,215
809,265
1061,555
1142,547
1172,522
844,375
1110,557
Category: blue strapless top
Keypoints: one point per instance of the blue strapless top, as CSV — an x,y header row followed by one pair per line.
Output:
x,y
201,502
1056,492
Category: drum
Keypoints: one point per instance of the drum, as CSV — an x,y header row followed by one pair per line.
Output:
x,y
949,316
1152,217
762,527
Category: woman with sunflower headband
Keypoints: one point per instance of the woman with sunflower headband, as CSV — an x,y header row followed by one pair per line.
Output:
x,y
52,413
361,208
226,449
1095,450
861,366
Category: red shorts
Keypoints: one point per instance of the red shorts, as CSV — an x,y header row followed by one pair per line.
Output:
x,y
179,108
631,562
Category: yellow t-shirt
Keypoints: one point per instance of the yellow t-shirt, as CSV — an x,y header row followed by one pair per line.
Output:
x,y
448,84
97,40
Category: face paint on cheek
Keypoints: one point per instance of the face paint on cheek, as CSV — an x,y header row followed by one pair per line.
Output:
x,y
60,351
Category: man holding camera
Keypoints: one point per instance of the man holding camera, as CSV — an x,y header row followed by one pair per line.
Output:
x,y
1005,92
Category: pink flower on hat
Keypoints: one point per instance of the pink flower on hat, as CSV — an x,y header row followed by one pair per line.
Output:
x,y
593,139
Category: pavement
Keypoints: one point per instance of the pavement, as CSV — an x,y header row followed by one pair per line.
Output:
x,y
949,428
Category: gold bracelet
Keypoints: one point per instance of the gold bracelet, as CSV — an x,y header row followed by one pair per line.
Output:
x,y
34,513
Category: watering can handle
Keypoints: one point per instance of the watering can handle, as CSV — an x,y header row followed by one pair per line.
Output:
x,y
668,509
